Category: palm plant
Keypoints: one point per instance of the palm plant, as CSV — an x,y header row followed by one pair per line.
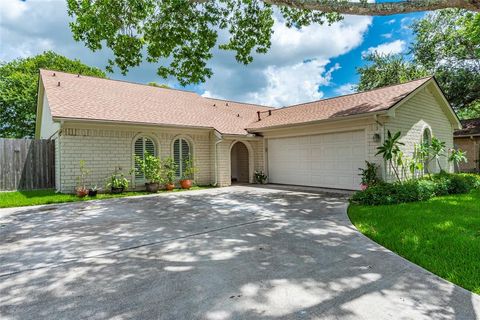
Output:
x,y
390,150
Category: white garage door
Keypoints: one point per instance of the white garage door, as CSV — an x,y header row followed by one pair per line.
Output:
x,y
327,160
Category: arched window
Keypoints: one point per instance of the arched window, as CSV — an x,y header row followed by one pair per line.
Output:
x,y
142,146
181,153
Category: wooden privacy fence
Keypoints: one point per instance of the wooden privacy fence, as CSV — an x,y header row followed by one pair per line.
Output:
x,y
27,164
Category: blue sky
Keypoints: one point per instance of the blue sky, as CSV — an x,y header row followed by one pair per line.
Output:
x,y
303,65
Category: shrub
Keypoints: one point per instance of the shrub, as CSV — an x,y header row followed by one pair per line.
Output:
x,y
417,189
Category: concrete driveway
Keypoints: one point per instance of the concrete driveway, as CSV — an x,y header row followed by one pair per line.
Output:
x,y
228,253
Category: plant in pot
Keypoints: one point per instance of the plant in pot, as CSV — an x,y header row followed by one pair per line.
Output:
x,y
81,189
117,182
150,167
260,177
169,168
189,170
92,192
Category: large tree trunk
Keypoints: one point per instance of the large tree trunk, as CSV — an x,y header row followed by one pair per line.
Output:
x,y
377,9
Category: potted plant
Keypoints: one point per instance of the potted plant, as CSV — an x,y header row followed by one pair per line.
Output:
x,y
188,171
169,168
260,176
117,182
92,192
81,190
150,167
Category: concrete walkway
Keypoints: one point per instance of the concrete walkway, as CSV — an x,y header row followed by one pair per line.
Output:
x,y
229,253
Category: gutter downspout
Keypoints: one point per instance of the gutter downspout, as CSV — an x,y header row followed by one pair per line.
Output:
x,y
220,139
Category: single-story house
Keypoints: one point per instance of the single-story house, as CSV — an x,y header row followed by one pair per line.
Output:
x,y
321,143
468,139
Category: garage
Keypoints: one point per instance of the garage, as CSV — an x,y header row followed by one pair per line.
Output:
x,y
328,160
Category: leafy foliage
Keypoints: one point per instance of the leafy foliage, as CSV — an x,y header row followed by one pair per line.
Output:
x,y
18,90
150,167
168,170
117,180
260,177
417,189
369,174
390,150
387,69
189,168
446,45
181,34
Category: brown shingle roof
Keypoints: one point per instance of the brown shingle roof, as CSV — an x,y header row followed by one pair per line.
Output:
x,y
91,98
470,127
333,108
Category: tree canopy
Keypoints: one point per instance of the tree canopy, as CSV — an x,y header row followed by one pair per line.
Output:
x,y
447,45
19,85
181,34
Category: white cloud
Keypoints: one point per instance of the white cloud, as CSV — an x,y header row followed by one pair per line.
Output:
x,y
294,83
12,9
293,69
394,47
344,89
387,35
391,21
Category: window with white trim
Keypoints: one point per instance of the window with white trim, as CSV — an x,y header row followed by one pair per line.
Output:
x,y
142,146
181,153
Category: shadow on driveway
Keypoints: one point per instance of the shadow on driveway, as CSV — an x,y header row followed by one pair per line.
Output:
x,y
229,253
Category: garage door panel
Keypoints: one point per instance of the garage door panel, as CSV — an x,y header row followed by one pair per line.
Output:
x,y
328,160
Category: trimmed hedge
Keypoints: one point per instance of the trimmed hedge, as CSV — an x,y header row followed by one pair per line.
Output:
x,y
417,189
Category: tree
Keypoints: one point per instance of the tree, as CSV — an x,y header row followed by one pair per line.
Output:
x,y
184,32
158,85
447,45
387,69
19,85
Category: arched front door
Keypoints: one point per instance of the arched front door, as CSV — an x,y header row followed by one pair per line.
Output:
x,y
239,163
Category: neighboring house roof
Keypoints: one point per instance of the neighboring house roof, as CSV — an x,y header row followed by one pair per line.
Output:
x,y
90,98
353,104
71,96
471,127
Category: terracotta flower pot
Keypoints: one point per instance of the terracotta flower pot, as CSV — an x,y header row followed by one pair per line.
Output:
x,y
152,187
81,192
186,184
169,186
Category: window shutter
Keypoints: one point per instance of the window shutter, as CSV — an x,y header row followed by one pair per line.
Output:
x,y
141,147
176,156
181,152
185,153
138,153
149,147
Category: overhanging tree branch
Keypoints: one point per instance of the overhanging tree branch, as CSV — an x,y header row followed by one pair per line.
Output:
x,y
377,9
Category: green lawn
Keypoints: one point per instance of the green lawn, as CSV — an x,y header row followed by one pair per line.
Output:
x,y
31,198
442,234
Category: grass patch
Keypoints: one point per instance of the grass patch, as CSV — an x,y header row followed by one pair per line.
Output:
x,y
441,234
37,197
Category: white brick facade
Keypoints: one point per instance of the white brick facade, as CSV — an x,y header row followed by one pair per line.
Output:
x,y
105,148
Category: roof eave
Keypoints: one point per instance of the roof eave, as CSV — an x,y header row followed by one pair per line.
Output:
x,y
103,121
349,117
